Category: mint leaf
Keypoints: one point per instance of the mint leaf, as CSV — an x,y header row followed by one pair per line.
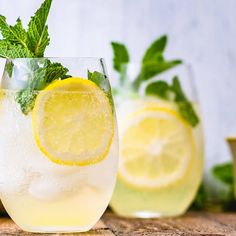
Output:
x,y
40,78
8,50
9,68
55,71
121,55
224,173
187,112
176,87
102,82
201,198
160,88
33,41
14,34
153,62
224,194
26,99
37,34
184,105
156,49
17,43
153,68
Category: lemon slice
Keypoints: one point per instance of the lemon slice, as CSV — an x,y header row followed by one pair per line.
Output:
x,y
73,122
156,148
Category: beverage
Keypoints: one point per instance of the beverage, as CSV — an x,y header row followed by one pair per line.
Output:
x,y
58,161
160,135
153,181
58,135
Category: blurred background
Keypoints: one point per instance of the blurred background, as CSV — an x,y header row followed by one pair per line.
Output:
x,y
202,33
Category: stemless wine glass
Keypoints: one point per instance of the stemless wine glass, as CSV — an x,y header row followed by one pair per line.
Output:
x,y
58,143
161,144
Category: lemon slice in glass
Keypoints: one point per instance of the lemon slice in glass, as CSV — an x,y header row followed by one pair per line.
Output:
x,y
156,148
73,122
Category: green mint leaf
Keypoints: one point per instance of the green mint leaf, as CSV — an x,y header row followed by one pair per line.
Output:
x,y
55,71
156,49
153,68
26,99
14,34
8,50
201,198
187,112
153,62
37,34
179,93
40,78
160,88
102,82
184,105
121,55
224,173
9,68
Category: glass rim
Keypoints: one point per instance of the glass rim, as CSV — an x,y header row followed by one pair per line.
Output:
x,y
56,57
85,61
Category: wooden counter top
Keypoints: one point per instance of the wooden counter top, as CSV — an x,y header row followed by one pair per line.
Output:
x,y
191,224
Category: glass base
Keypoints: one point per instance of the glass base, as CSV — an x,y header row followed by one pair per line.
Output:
x,y
148,214
56,229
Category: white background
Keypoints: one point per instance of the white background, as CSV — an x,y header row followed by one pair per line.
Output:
x,y
202,32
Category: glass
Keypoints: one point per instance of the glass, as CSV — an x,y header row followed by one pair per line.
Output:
x,y
58,161
161,154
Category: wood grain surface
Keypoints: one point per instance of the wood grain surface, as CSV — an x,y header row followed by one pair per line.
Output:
x,y
191,224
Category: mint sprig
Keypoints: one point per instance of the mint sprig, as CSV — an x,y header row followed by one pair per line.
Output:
x,y
154,63
22,43
19,43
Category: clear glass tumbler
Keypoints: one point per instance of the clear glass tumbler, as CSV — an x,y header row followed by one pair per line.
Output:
x,y
161,144
58,143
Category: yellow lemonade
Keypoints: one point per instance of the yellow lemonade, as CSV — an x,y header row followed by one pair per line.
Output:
x,y
161,160
58,163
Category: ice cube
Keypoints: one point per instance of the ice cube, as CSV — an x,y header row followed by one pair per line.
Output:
x,y
55,187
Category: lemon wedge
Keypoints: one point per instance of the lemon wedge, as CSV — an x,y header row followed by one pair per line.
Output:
x,y
156,147
73,122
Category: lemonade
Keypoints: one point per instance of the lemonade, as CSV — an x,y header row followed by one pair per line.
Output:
x,y
58,133
161,160
58,162
160,134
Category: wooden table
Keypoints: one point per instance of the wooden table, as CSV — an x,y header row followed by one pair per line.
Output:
x,y
191,224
